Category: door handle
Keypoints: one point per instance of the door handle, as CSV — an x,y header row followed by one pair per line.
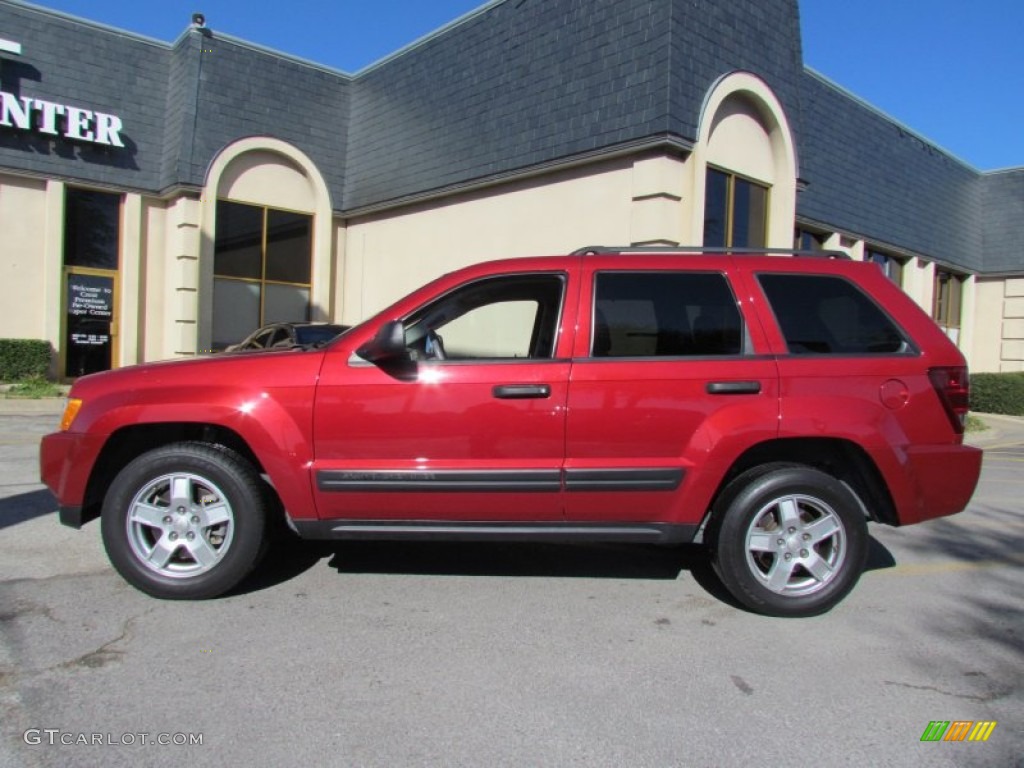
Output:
x,y
521,391
733,387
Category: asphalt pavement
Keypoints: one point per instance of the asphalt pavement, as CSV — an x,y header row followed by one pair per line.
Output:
x,y
434,654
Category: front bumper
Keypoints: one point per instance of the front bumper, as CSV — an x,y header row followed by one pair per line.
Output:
x,y
66,460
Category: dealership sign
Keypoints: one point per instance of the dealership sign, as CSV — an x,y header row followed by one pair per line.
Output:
x,y
53,119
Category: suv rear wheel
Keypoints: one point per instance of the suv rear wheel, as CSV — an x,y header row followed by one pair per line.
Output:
x,y
185,521
788,540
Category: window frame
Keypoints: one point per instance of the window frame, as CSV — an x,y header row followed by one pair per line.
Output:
x,y
414,334
942,308
745,346
885,261
731,177
907,347
263,281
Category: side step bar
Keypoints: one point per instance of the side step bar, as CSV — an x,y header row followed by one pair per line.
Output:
x,y
401,530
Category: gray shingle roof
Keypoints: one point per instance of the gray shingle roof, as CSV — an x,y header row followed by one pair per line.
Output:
x,y
516,85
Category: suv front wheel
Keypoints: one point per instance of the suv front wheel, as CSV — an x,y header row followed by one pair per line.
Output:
x,y
185,521
788,540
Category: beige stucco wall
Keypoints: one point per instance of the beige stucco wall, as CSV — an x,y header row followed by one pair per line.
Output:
x,y
153,293
1012,347
389,254
988,315
22,257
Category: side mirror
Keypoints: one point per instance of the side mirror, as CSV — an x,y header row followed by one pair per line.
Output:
x,y
387,347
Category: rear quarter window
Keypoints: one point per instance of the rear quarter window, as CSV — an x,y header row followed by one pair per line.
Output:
x,y
828,315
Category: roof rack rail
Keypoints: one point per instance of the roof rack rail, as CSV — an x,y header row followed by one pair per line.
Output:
x,y
598,250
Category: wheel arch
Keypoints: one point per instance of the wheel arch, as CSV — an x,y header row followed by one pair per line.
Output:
x,y
131,441
843,459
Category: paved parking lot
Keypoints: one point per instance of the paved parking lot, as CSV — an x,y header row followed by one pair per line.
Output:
x,y
508,655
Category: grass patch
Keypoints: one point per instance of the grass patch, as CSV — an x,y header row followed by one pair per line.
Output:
x,y
974,424
34,388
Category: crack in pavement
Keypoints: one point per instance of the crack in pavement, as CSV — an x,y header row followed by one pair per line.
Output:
x,y
993,696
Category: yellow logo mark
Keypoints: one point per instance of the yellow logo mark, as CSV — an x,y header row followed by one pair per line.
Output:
x,y
982,730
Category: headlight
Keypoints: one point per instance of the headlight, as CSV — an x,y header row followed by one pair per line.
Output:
x,y
70,411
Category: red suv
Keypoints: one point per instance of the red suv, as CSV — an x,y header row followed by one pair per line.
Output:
x,y
767,407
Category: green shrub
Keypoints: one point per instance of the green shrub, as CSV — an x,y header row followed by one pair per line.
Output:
x,y
998,393
23,358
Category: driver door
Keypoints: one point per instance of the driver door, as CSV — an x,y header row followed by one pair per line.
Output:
x,y
471,426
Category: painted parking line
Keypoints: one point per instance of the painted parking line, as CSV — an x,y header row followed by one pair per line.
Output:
x,y
953,566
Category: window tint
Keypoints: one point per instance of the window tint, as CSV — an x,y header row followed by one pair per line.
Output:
x,y
92,222
890,265
825,315
735,211
262,269
948,296
664,314
499,318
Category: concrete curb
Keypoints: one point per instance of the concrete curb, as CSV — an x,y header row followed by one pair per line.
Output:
x,y
1001,430
15,405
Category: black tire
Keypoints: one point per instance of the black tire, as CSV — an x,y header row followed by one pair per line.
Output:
x,y
788,540
186,521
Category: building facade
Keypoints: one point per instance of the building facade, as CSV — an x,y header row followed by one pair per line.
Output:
x,y
162,199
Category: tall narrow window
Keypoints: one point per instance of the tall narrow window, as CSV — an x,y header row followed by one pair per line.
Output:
x,y
92,244
890,265
735,211
805,240
262,269
947,299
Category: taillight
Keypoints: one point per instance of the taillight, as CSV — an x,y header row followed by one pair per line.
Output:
x,y
954,389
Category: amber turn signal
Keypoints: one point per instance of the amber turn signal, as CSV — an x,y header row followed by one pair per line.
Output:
x,y
70,411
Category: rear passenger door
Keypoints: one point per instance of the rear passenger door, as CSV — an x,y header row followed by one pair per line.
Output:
x,y
668,375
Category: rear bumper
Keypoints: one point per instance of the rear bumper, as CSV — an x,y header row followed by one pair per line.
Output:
x,y
944,479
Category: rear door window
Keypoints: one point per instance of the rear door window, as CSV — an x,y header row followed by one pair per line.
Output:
x,y
665,314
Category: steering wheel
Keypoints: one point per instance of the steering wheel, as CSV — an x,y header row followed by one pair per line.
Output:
x,y
433,346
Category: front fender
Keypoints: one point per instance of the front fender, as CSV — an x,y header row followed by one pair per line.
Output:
x,y
267,400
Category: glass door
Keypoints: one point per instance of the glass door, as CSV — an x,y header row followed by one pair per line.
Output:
x,y
90,322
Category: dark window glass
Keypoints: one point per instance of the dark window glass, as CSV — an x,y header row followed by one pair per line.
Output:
x,y
735,211
804,240
88,346
825,315
948,291
749,215
890,265
288,247
716,209
498,318
91,229
262,269
239,242
664,314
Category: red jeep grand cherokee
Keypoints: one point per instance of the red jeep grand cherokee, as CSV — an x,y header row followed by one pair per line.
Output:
x,y
768,407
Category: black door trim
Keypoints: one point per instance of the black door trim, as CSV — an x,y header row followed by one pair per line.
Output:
x,y
439,481
661,479
499,480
